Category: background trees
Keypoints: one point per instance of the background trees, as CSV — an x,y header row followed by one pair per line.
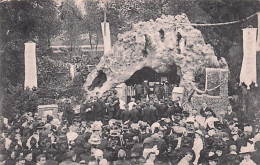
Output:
x,y
40,21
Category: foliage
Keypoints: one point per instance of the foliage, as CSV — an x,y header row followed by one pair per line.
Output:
x,y
18,100
22,21
52,73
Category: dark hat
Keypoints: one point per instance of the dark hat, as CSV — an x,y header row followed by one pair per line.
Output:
x,y
41,125
76,119
212,157
62,139
52,151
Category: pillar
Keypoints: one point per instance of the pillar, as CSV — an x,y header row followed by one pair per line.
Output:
x,y
30,65
224,83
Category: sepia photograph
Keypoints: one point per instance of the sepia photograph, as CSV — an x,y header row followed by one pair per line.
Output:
x,y
129,82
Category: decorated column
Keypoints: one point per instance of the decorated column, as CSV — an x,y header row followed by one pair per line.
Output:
x,y
248,70
30,65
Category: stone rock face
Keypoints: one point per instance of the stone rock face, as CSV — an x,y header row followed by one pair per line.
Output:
x,y
156,44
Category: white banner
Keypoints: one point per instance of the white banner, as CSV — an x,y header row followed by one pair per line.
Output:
x,y
30,65
258,32
106,37
248,70
72,71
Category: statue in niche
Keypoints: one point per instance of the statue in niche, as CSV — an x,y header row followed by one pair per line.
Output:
x,y
161,32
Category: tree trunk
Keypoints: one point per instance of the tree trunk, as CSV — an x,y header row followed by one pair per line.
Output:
x,y
97,38
90,40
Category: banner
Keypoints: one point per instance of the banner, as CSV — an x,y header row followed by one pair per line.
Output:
x,y
72,71
248,70
30,65
258,32
106,37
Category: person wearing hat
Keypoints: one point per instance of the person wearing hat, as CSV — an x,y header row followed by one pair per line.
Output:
x,y
212,158
232,157
198,145
246,153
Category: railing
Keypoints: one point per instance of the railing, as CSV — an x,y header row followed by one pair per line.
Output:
x,y
84,48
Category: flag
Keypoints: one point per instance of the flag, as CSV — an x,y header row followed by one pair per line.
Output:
x,y
30,65
248,70
106,37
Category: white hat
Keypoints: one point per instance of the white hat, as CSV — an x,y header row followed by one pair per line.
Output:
x,y
247,149
248,128
211,119
199,132
71,136
155,125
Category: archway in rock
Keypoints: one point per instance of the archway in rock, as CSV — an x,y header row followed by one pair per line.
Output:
x,y
147,73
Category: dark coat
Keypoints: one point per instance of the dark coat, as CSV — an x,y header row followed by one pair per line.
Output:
x,y
126,115
230,117
135,115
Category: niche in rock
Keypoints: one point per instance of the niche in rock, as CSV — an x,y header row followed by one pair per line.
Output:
x,y
147,73
98,81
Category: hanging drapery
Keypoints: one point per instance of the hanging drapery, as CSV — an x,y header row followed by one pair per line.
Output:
x,y
248,70
258,34
106,37
72,71
30,65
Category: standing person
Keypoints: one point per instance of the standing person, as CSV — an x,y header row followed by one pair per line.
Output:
x,y
131,104
68,111
197,145
116,103
126,115
153,117
86,110
146,113
146,89
135,115
102,103
97,109
138,91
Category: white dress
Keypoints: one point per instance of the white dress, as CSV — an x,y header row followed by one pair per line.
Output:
x,y
250,162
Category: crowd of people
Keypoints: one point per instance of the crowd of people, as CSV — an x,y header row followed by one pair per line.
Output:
x,y
106,131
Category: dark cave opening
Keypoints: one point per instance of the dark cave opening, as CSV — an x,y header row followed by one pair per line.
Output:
x,y
98,81
147,73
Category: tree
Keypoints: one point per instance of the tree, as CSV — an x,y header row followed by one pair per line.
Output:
x,y
22,21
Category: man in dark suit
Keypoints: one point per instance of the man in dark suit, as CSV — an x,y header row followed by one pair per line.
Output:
x,y
230,115
135,114
205,109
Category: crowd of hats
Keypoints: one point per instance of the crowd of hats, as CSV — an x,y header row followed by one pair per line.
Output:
x,y
170,138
